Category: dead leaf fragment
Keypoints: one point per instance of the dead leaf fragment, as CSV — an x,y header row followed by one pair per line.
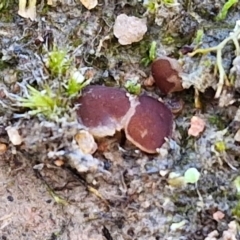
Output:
x,y
197,126
89,4
3,148
59,162
27,9
14,136
129,29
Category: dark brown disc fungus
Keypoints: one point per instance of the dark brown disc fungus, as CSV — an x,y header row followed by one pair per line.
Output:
x,y
105,110
150,124
165,72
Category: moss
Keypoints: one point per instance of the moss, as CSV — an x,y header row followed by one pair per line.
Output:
x,y
6,5
58,62
153,5
150,55
6,16
45,9
133,87
3,65
220,146
77,42
217,121
236,210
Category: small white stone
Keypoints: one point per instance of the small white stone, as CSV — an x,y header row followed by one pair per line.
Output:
x,y
163,173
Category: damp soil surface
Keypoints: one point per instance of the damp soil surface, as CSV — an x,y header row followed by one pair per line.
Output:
x,y
49,192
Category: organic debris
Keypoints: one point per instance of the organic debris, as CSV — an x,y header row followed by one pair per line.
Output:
x,y
27,11
14,135
89,4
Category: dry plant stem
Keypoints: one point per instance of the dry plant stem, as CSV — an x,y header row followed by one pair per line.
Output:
x,y
197,101
218,49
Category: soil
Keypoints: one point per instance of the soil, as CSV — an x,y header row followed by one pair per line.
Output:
x,y
122,193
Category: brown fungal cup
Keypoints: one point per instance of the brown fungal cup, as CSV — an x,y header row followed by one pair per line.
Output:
x,y
150,124
102,109
165,72
105,110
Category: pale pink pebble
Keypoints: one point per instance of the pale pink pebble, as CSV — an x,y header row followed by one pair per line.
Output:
x,y
197,126
218,215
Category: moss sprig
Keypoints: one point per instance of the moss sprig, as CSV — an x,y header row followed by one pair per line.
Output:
x,y
44,102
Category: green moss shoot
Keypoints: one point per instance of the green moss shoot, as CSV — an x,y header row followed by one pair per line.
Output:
x,y
151,54
44,102
58,62
76,83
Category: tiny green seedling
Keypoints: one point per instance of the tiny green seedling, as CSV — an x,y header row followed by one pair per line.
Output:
x,y
153,5
220,146
76,83
192,175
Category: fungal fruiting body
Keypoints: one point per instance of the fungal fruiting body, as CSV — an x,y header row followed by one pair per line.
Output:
x,y
165,72
145,120
102,109
150,124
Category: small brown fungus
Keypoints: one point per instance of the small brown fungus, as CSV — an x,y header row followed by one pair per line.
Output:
x,y
103,109
165,72
151,123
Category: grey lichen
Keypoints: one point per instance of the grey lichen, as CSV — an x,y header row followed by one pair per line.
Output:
x,y
223,79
